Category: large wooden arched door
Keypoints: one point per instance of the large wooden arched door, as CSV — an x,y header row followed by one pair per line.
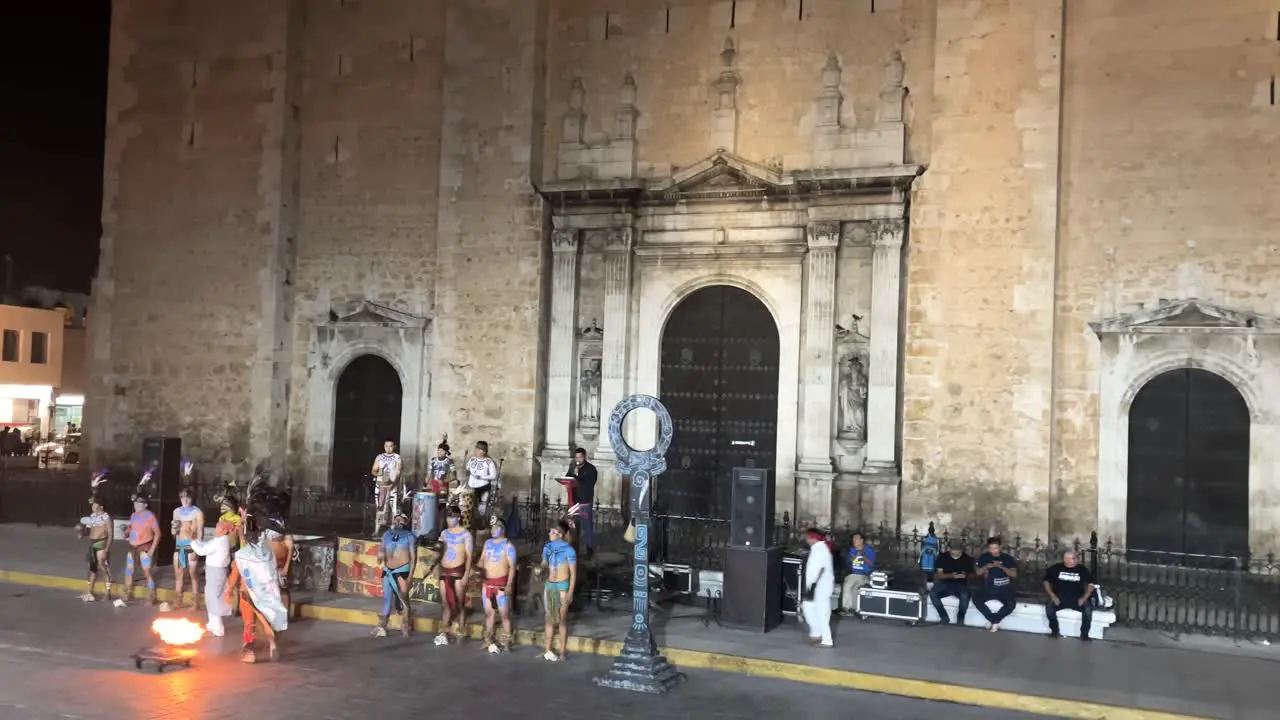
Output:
x,y
366,413
1189,466
719,380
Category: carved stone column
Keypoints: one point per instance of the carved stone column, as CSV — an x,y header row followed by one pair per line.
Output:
x,y
882,381
617,328
819,361
564,322
815,475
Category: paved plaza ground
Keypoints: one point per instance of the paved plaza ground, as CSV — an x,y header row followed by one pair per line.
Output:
x,y
1138,671
62,659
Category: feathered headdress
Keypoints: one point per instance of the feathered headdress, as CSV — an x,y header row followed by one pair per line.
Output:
x,y
444,444
266,506
145,486
576,511
98,478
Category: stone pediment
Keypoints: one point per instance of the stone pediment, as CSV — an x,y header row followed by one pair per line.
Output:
x,y
369,313
1183,316
722,175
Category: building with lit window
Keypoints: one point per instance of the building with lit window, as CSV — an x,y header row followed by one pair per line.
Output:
x,y
32,360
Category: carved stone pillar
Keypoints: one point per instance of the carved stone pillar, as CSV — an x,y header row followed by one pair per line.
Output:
x,y
815,475
564,322
882,381
819,361
617,307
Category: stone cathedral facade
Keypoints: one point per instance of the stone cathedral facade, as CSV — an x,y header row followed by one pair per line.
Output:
x,y
998,264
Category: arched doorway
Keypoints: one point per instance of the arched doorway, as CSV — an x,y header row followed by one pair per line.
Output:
x,y
1189,466
366,413
719,380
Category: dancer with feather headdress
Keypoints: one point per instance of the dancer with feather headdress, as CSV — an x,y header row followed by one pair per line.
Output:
x,y
255,576
143,537
97,528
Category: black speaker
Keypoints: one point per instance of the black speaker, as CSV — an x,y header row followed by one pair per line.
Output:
x,y
752,588
163,457
751,524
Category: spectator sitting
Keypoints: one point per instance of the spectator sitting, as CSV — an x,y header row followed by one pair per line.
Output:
x,y
951,578
998,571
862,562
1070,586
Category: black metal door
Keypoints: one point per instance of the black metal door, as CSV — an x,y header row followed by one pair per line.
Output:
x,y
366,413
1189,466
720,382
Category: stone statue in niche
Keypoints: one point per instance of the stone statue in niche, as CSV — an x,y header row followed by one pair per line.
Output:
x,y
589,393
853,398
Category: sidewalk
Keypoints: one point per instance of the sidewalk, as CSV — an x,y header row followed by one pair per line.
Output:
x,y
1140,675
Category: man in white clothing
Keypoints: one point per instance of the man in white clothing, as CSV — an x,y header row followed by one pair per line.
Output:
x,y
482,478
819,584
217,555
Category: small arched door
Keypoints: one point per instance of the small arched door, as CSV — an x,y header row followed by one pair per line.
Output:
x,y
719,380
1189,466
366,413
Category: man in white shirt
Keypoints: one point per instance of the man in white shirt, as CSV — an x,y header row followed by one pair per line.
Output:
x,y
819,584
482,478
217,555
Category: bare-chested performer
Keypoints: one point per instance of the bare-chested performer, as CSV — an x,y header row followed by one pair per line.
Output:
x,y
499,562
386,478
143,536
188,525
97,529
397,554
457,549
560,563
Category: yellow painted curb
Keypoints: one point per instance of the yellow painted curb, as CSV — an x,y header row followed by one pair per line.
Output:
x,y
755,667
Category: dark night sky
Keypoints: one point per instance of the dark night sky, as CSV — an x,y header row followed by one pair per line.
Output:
x,y
53,89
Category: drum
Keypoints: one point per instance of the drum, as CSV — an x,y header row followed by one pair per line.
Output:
x,y
426,509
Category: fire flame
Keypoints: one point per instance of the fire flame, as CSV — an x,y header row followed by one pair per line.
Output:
x,y
177,631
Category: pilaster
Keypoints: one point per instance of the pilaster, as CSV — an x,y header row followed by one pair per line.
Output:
x,y
882,384
815,472
564,311
617,305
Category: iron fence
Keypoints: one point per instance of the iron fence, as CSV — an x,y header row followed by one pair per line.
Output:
x,y
1178,593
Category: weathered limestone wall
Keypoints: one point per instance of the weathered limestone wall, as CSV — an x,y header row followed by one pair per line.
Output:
x,y
673,51
1170,186
192,230
491,248
980,270
369,166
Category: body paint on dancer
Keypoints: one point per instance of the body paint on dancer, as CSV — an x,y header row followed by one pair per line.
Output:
x,y
97,528
499,561
397,556
560,563
457,547
143,537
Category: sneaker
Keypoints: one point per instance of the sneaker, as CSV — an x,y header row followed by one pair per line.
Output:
x,y
493,649
119,603
87,597
441,640
550,656
164,607
994,627
217,630
379,632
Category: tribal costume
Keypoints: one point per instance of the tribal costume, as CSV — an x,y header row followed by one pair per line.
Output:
x,y
143,530
556,554
397,542
482,478
386,475
255,570
442,470
98,523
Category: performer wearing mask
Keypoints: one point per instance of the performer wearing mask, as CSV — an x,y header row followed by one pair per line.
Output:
x,y
819,581
499,562
386,476
482,477
397,554
255,578
188,525
217,555
560,563
144,536
97,528
229,521
455,571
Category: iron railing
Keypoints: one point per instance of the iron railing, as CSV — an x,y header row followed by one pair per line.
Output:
x,y
1178,593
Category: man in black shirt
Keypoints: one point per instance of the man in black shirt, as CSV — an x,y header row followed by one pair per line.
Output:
x,y
1070,586
999,571
951,577
584,493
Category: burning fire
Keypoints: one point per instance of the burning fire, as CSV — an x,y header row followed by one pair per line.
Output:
x,y
177,631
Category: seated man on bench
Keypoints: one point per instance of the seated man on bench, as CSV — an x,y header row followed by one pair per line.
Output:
x,y
1070,587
